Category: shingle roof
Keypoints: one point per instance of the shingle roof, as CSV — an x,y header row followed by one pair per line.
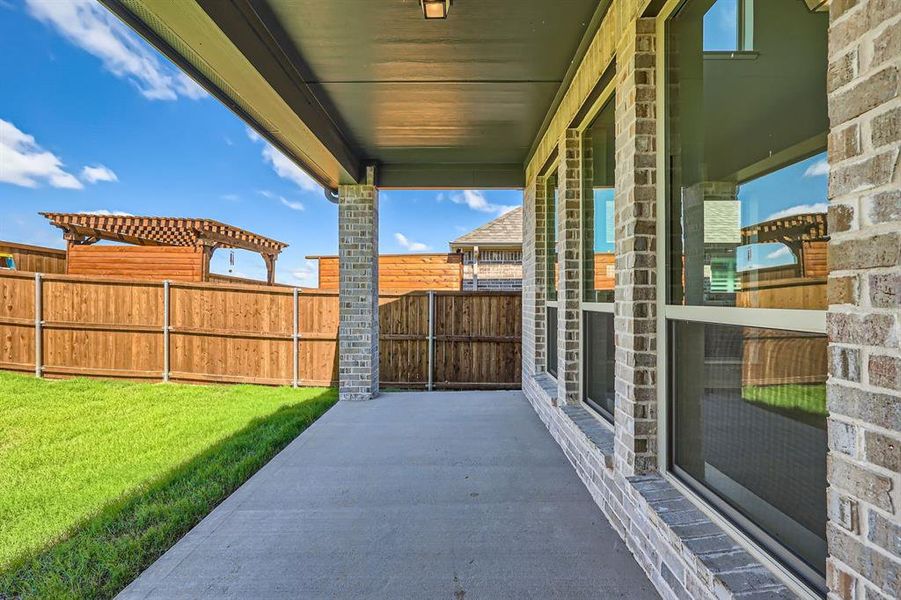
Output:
x,y
504,230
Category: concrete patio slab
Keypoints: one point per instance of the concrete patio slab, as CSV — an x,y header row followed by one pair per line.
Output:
x,y
411,495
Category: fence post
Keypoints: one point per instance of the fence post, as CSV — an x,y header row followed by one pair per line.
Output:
x,y
166,330
431,339
295,353
38,326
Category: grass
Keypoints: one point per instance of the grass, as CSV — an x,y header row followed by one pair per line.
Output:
x,y
100,478
809,398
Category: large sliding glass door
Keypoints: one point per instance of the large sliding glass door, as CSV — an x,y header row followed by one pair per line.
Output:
x,y
746,237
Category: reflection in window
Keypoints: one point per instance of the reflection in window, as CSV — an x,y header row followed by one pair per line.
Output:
x,y
746,227
552,274
749,409
721,26
551,365
748,170
598,224
553,267
599,356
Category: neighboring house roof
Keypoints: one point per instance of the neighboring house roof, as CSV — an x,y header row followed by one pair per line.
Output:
x,y
506,230
160,231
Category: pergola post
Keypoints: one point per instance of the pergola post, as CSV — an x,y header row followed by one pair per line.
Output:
x,y
358,266
270,267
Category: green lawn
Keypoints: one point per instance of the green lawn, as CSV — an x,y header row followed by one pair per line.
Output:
x,y
808,398
100,478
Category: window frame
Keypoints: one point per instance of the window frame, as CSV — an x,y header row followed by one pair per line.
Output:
x,y
549,267
607,94
807,320
744,34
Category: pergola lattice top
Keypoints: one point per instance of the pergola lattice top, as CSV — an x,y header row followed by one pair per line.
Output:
x,y
84,228
792,229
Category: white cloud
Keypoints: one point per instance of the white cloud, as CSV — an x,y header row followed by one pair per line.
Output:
x,y
283,166
230,197
25,163
94,29
252,135
817,169
799,209
107,213
98,173
409,244
286,169
292,204
307,273
779,253
476,200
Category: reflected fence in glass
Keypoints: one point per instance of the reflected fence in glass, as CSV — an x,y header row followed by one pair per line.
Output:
x,y
749,422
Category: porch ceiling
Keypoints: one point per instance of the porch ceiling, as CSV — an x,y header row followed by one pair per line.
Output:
x,y
340,83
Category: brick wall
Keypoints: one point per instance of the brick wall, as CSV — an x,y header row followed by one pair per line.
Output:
x,y
358,243
635,198
864,291
534,283
569,257
494,275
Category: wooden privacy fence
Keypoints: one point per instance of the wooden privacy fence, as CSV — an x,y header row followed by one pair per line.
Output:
x,y
60,325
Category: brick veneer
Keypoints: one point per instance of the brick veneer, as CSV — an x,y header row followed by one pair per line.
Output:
x,y
635,199
569,257
534,282
358,243
684,553
864,290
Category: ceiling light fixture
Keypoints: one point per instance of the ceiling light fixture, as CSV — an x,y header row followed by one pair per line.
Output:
x,y
435,9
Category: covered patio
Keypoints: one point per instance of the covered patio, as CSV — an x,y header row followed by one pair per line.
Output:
x,y
680,320
412,495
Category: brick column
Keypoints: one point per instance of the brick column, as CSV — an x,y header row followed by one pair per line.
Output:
x,y
534,283
864,290
569,255
358,262
635,325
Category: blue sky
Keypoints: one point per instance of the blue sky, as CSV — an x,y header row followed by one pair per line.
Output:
x,y
94,119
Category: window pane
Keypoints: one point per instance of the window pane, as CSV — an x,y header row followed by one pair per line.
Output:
x,y
747,163
750,427
721,26
553,272
599,362
552,340
598,216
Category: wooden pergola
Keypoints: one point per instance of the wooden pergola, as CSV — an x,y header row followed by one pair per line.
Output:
x,y
204,234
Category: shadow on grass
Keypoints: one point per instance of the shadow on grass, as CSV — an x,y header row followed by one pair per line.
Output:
x,y
105,553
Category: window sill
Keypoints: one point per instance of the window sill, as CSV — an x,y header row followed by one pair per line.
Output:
x,y
548,385
731,55
598,432
718,558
